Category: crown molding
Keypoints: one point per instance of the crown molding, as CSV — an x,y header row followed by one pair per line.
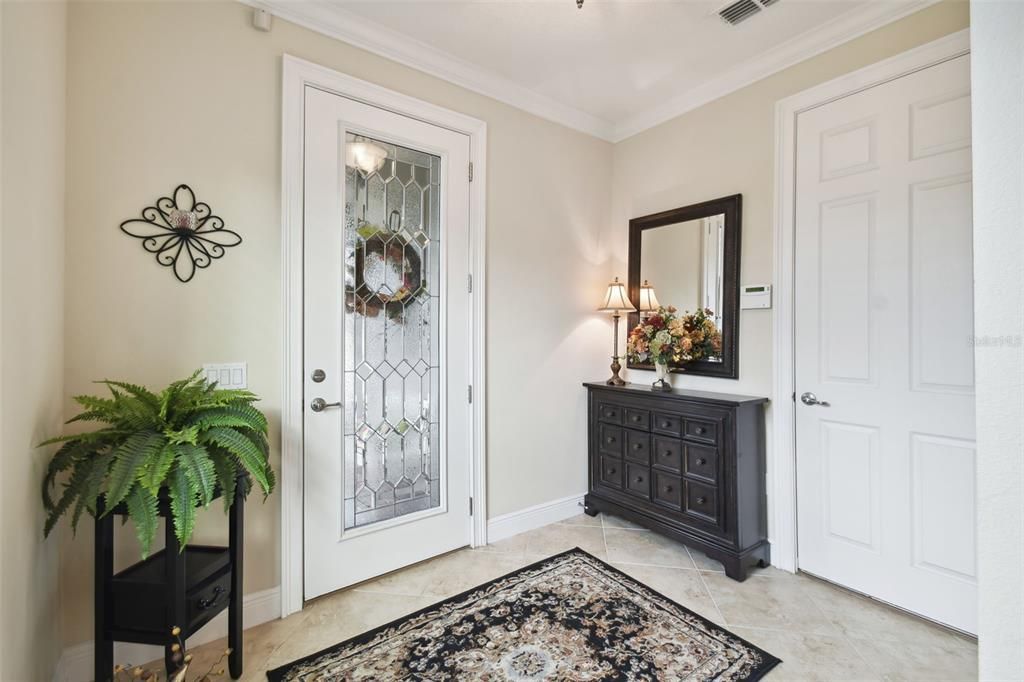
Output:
x,y
353,29
842,29
335,22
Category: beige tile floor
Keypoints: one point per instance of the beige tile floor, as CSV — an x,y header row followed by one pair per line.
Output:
x,y
821,632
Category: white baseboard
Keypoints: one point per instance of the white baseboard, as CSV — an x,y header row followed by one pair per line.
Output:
x,y
75,664
507,525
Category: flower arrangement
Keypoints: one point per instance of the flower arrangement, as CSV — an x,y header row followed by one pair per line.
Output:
x,y
665,338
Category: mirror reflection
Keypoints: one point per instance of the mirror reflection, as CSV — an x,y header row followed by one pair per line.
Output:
x,y
681,265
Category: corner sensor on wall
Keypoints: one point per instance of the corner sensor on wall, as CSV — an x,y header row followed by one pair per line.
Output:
x,y
262,20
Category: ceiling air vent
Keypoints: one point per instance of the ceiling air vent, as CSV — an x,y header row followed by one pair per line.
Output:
x,y
740,10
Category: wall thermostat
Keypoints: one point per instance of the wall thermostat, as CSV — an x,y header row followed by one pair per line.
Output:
x,y
754,296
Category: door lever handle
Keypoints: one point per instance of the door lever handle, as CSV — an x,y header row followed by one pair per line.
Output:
x,y
811,399
319,404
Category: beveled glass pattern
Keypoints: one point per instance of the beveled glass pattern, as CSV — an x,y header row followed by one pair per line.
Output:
x,y
392,247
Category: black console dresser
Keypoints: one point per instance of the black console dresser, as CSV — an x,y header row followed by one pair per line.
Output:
x,y
687,464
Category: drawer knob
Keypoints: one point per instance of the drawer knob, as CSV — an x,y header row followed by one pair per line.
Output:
x,y
701,461
701,500
668,488
636,417
205,604
611,439
667,453
611,471
665,425
701,430
639,479
638,446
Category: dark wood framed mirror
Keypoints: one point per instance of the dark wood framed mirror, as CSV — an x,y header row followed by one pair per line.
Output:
x,y
690,257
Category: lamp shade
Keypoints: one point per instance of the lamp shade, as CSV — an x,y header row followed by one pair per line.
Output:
x,y
648,301
616,300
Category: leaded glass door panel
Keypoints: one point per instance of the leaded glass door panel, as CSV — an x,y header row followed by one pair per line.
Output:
x,y
386,315
392,358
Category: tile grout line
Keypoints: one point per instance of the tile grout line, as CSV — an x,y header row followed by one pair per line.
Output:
x,y
844,636
705,584
604,537
856,649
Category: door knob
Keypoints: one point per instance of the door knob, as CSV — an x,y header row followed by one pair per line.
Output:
x,y
811,399
319,404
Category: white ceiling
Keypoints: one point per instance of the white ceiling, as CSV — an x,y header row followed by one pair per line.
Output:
x,y
612,69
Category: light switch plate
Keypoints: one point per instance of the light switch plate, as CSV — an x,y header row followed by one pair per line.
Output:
x,y
227,374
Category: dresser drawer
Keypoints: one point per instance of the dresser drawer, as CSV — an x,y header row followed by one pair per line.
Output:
x,y
668,454
610,440
638,419
702,463
667,424
702,430
667,490
610,472
638,480
208,599
609,413
638,446
701,501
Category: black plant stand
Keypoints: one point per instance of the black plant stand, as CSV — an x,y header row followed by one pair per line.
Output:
x,y
170,588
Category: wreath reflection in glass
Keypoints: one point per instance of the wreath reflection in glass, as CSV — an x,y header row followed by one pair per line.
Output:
x,y
378,250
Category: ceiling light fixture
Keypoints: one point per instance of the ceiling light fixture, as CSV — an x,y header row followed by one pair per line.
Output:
x,y
365,155
579,4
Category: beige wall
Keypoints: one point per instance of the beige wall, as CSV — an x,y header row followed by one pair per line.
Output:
x,y
997,91
728,147
31,326
164,93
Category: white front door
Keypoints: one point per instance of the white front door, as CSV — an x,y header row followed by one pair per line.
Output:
x,y
884,324
387,351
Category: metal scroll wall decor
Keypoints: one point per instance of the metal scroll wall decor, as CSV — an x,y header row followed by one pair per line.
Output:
x,y
183,233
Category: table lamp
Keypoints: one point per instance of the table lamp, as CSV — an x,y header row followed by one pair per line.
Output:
x,y
615,302
648,301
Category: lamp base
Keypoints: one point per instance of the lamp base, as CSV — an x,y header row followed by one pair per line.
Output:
x,y
615,379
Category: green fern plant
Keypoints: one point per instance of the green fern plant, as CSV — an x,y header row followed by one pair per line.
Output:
x,y
191,440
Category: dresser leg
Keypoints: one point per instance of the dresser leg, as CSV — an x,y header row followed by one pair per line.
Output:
x,y
735,568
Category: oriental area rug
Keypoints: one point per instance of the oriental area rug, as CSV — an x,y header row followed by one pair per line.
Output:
x,y
568,617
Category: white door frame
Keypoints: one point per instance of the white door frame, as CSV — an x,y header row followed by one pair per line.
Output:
x,y
782,500
297,74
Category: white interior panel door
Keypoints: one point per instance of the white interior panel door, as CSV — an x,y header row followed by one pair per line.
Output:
x,y
884,318
387,352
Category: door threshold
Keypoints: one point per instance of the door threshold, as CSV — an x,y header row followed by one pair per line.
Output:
x,y
918,616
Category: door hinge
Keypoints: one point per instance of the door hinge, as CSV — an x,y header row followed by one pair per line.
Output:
x,y
794,396
471,171
469,393
469,283
471,506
